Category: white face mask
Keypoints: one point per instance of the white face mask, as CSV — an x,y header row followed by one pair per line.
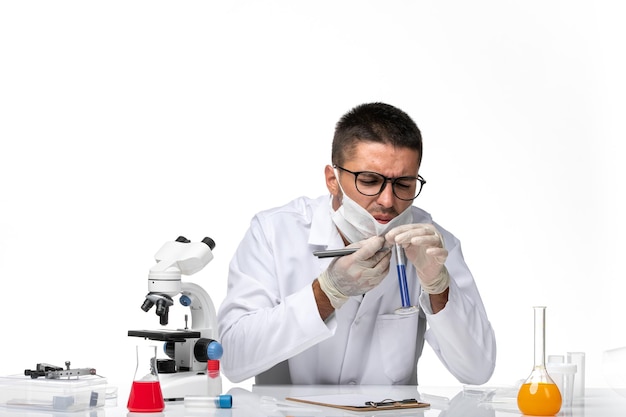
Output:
x,y
356,223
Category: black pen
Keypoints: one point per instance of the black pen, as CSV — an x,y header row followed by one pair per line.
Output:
x,y
389,403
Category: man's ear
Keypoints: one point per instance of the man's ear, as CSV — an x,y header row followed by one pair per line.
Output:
x,y
331,181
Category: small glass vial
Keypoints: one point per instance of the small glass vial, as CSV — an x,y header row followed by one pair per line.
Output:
x,y
145,394
539,395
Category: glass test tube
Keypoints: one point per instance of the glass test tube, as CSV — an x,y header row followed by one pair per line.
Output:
x,y
406,308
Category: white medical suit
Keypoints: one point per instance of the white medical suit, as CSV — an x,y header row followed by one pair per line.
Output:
x,y
269,314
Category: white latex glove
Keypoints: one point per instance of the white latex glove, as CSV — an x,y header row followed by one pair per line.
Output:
x,y
357,273
424,248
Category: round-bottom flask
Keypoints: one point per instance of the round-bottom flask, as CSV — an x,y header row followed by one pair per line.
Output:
x,y
539,394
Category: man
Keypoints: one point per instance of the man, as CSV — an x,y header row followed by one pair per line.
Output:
x,y
290,317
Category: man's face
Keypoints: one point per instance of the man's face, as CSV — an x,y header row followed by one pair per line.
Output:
x,y
376,157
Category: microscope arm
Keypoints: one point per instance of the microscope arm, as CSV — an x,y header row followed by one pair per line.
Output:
x,y
203,316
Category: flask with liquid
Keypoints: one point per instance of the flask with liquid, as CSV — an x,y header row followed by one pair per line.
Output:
x,y
145,394
539,394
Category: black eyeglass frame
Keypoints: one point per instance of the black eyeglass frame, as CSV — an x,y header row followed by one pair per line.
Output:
x,y
393,181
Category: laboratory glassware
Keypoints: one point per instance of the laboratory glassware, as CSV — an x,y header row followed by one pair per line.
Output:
x,y
563,375
145,394
219,401
539,394
578,359
406,307
614,369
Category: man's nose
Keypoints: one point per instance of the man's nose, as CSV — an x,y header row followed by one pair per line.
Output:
x,y
386,197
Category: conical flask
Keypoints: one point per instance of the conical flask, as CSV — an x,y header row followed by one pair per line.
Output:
x,y
539,394
145,394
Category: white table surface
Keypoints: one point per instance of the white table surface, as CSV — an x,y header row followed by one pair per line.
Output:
x,y
445,402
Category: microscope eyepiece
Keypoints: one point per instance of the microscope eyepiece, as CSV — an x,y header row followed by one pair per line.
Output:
x,y
209,242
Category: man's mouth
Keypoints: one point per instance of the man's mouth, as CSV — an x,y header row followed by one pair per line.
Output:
x,y
383,219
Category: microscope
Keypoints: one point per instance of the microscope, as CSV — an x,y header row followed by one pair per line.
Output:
x,y
189,351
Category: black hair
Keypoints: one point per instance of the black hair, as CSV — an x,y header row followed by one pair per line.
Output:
x,y
375,122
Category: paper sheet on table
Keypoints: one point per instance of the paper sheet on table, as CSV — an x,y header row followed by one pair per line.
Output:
x,y
355,402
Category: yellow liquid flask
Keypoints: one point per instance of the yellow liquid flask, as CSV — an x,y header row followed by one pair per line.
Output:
x,y
539,395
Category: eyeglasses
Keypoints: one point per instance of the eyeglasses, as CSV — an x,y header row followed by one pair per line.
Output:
x,y
372,183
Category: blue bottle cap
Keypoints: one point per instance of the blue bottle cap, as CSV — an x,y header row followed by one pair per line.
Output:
x,y
225,401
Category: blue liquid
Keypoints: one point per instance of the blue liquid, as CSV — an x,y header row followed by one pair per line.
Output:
x,y
404,287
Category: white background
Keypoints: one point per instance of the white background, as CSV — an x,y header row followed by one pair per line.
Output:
x,y
125,124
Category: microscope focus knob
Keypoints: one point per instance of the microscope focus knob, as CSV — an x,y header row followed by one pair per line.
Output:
x,y
206,349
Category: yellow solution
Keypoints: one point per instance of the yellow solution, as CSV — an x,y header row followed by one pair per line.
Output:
x,y
539,399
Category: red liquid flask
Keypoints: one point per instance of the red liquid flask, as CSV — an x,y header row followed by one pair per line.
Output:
x,y
146,397
145,394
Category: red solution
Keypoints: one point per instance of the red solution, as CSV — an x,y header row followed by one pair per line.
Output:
x,y
146,397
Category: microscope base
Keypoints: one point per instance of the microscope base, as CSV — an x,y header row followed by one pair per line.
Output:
x,y
176,387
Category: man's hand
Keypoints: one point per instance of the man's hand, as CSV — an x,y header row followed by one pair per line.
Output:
x,y
425,249
357,273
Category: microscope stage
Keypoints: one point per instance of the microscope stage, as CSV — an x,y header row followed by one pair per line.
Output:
x,y
166,335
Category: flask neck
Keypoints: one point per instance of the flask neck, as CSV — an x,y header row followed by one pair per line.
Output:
x,y
540,336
